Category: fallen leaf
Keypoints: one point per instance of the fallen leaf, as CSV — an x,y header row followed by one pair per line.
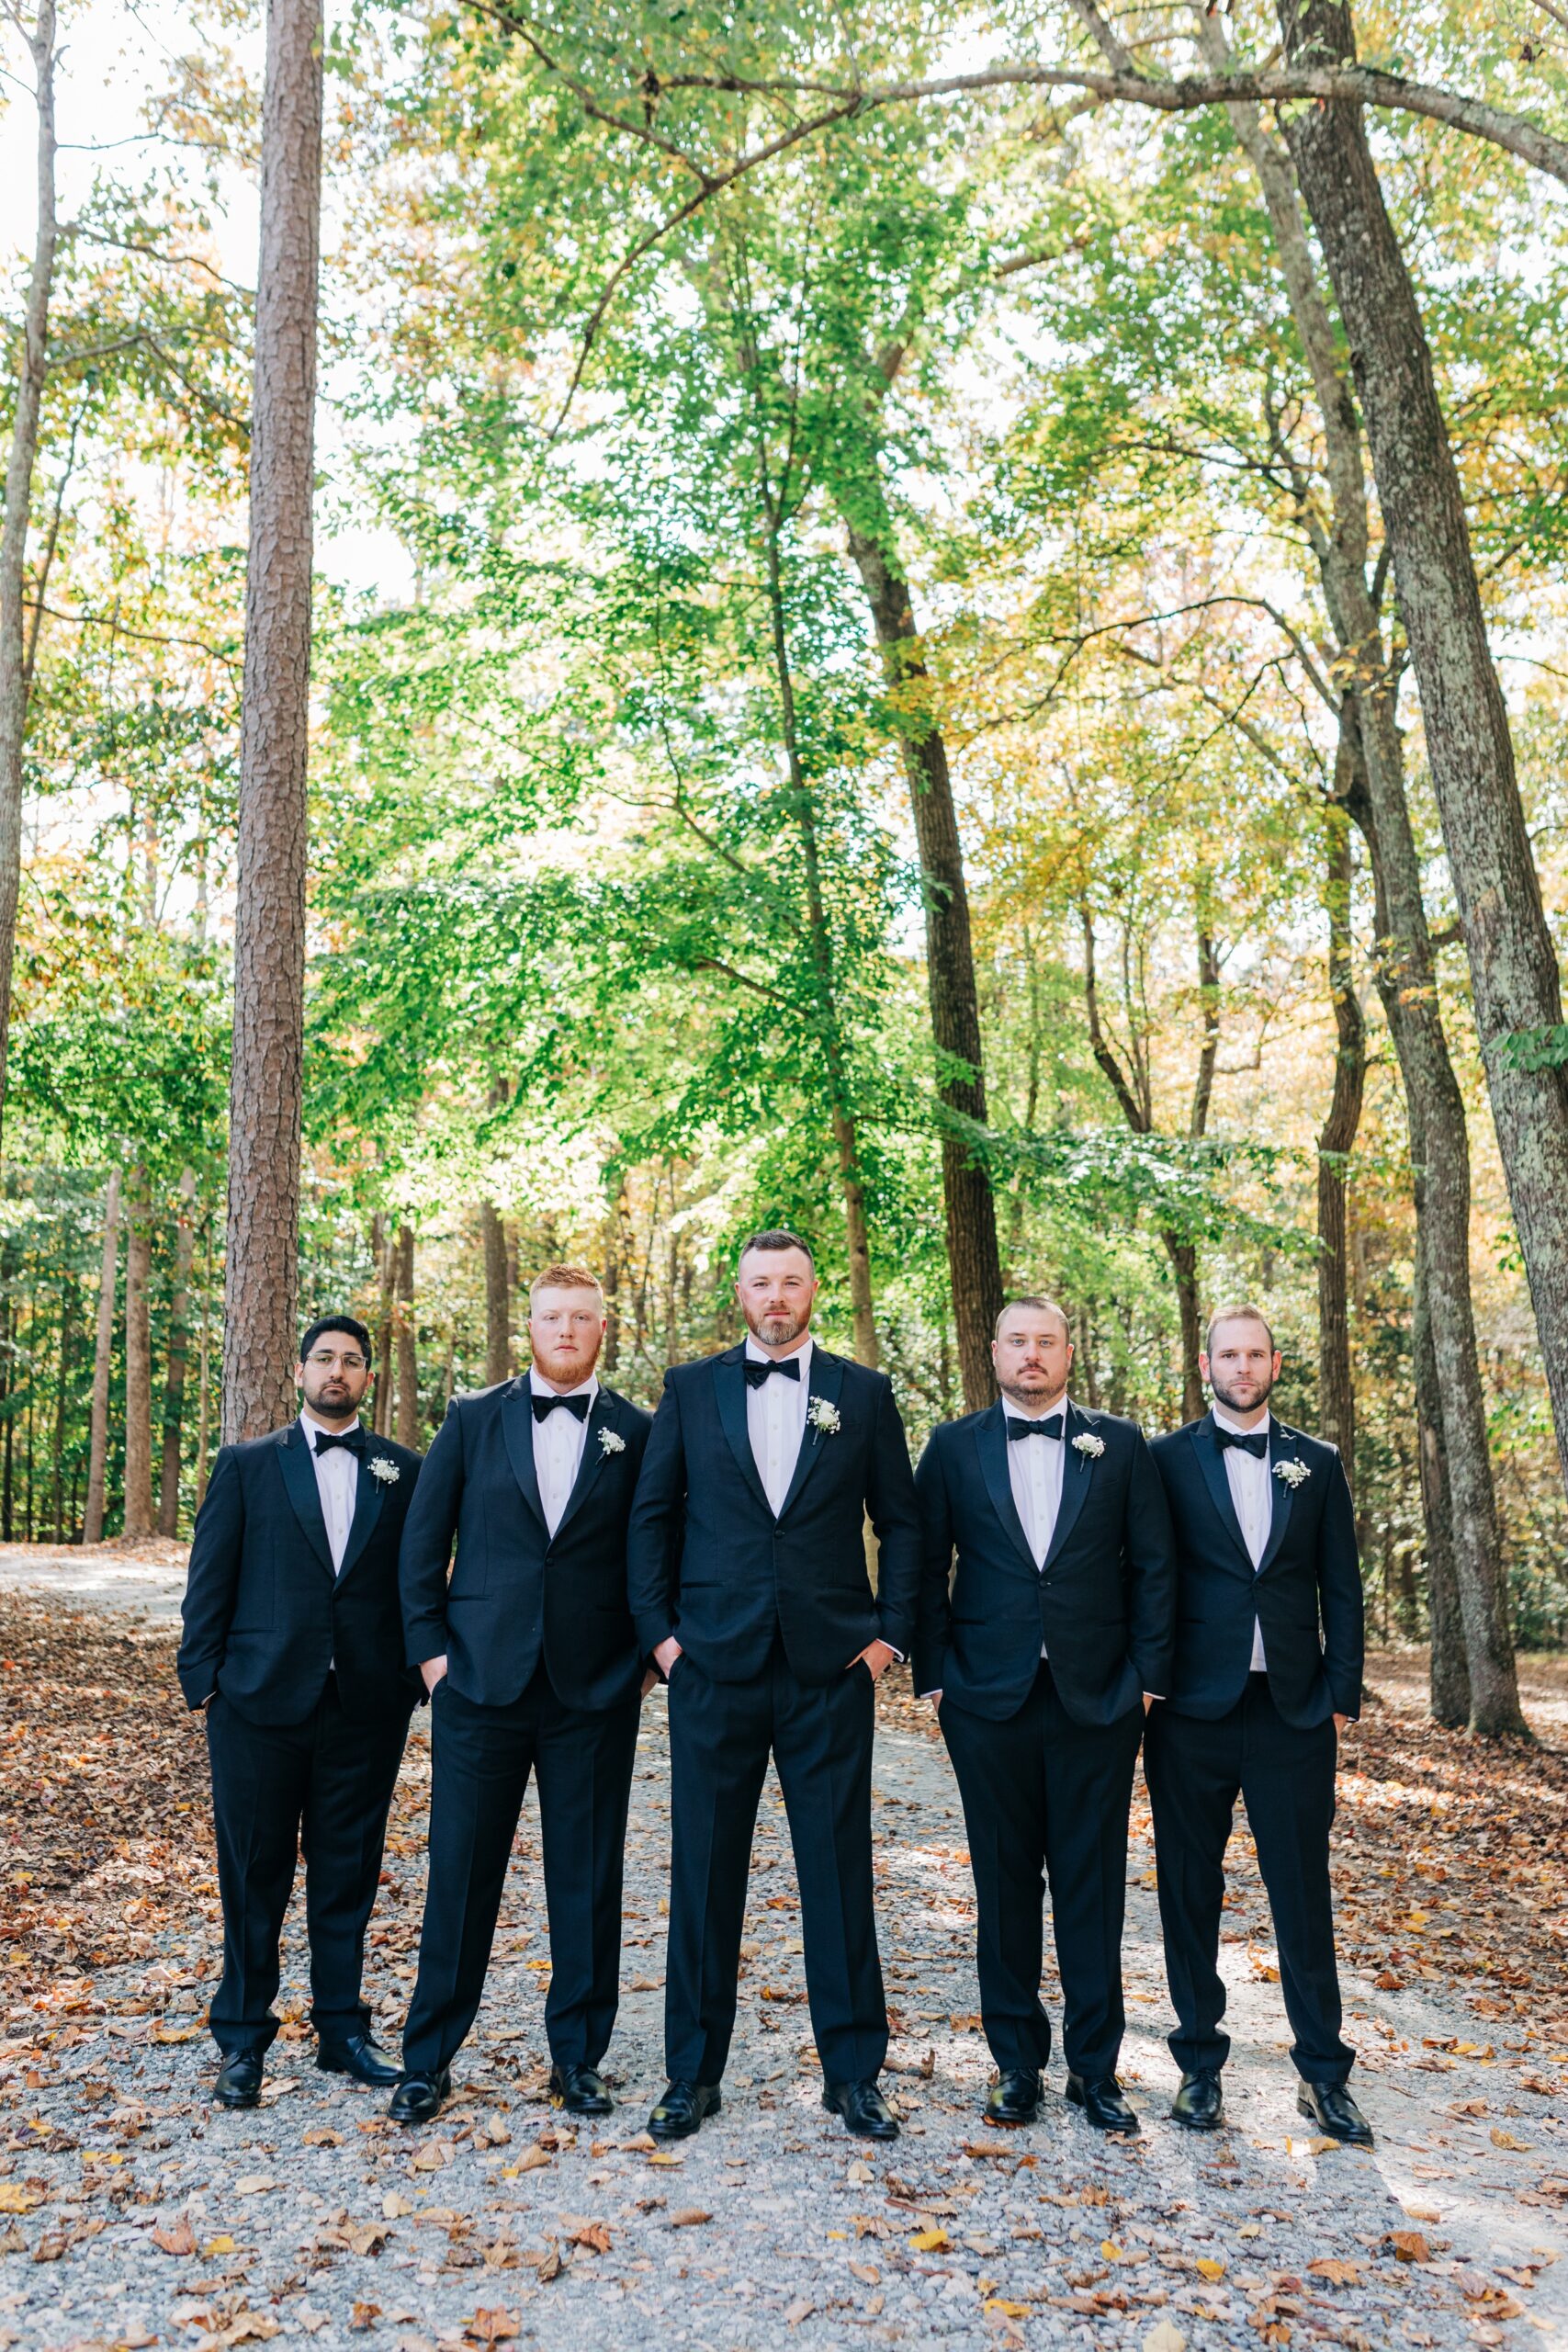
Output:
x,y
364,2315
929,2242
1337,2272
1165,2336
551,2266
178,2238
691,2217
435,2155
16,2197
532,2160
802,2308
254,2184
492,2326
592,2234
1507,2140
322,2136
1210,2266
394,2205
1409,2245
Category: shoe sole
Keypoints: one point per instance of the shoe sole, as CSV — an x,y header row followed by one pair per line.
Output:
x,y
1110,2131
1341,2138
236,2105
889,2131
1008,2122
684,2130
1199,2122
369,2082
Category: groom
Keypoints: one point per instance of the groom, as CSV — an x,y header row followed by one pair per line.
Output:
x,y
748,1574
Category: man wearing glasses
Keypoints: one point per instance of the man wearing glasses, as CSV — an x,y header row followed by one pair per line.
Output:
x,y
294,1647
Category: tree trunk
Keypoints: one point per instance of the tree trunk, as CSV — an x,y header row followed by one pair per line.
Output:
x,y
262,1272
973,1265
178,1357
383,1249
1449,1673
33,360
139,1520
498,1297
406,1342
204,1381
1336,1397
61,1411
1183,1256
103,1363
612,1355
1513,965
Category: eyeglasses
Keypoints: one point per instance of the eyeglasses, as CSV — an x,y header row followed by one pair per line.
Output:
x,y
324,1359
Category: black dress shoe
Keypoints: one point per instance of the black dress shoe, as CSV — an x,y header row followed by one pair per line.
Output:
x,y
418,2097
681,2110
1014,2096
360,2057
238,2079
864,2109
1103,2104
581,2090
1335,2112
1199,2103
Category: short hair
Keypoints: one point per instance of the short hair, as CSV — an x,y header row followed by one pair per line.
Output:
x,y
323,1323
1244,1313
775,1236
1041,1307
564,1278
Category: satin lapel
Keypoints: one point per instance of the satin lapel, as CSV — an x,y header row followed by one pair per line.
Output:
x,y
1213,1464
991,1441
518,1428
369,1495
730,1389
298,1466
1077,1469
603,1417
1282,1447
827,1381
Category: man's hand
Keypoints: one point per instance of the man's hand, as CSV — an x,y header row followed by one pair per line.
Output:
x,y
666,1655
1148,1700
1342,1724
434,1671
648,1680
874,1657
935,1698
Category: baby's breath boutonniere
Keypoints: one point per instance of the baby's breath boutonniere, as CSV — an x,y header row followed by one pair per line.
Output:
x,y
823,1416
1294,1473
1087,1447
385,1469
610,1443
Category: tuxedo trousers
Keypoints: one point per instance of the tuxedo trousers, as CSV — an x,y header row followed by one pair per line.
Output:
x,y
480,1759
1196,1770
321,1788
820,1736
1047,1801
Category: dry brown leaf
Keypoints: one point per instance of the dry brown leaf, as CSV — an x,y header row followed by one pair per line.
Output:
x,y
1409,2245
178,2238
689,2219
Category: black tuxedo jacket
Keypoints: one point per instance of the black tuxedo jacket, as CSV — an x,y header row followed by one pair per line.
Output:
x,y
1306,1593
1104,1603
516,1590
264,1617
710,1564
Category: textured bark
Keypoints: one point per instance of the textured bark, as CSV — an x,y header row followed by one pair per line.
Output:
x,y
383,1249
1448,1671
498,1297
178,1357
103,1362
974,1275
204,1383
261,1277
1514,972
612,1350
407,1423
1336,1389
62,1405
20,462
139,1519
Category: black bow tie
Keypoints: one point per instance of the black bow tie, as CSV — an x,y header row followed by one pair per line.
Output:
x,y
789,1369
544,1406
1252,1441
1053,1427
353,1439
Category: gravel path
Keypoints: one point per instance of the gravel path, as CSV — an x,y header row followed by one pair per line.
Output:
x,y
132,2213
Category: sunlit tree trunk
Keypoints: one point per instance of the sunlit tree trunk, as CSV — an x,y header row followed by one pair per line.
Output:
x,y
61,1408
179,1356
103,1365
497,1296
1336,1389
138,1357
407,1425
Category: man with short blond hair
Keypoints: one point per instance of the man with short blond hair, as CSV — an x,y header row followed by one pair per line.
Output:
x,y
532,1662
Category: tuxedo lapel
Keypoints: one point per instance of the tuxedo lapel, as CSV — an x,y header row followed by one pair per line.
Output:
x,y
518,1428
298,1466
1077,1469
603,1417
369,1492
730,1389
991,1441
826,1382
1282,1447
1211,1462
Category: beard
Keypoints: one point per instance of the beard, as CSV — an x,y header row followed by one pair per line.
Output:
x,y
1233,1402
1029,1400
776,1330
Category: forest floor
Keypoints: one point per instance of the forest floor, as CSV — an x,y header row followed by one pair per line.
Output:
x,y
132,2213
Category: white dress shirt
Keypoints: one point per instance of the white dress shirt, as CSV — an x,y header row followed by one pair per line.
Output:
x,y
559,1440
1247,1477
775,1421
1036,1469
337,1483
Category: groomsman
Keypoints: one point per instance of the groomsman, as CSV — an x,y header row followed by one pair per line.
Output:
x,y
1041,1661
749,1582
532,1664
293,1645
1268,1673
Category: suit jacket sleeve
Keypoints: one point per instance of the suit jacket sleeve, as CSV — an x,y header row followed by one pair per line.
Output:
x,y
1150,1549
1339,1594
895,1519
652,1533
935,1610
429,1525
212,1581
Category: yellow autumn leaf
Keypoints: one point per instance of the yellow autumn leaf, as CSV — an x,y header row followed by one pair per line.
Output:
x,y
1507,2140
929,2242
1008,2310
1210,2266
17,2199
221,2244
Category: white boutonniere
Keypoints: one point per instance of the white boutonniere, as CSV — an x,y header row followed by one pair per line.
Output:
x,y
384,1468
1294,1473
610,1443
823,1416
1089,1446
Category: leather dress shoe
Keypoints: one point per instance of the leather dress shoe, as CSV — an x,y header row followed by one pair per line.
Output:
x,y
581,2090
1199,2103
1103,2104
681,2110
419,2098
238,2079
865,2111
1014,2096
359,2056
1335,2112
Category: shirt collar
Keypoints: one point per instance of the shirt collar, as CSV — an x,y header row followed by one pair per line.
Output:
x,y
541,1387
1226,1422
802,1356
311,1426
